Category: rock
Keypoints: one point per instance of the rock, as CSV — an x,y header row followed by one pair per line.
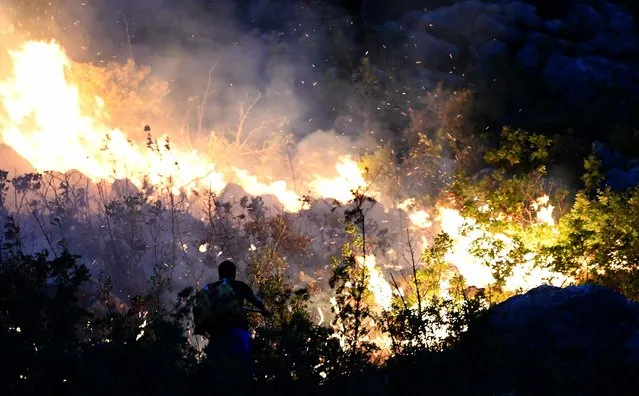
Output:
x,y
488,28
588,320
585,20
523,14
552,9
584,54
554,26
537,48
622,23
612,44
583,77
492,48
458,18
632,344
609,158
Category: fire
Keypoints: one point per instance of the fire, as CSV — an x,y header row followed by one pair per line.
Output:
x,y
350,178
454,224
544,210
418,217
465,231
377,284
43,121
251,184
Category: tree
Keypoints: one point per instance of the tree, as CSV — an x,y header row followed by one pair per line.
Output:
x,y
599,240
350,280
39,315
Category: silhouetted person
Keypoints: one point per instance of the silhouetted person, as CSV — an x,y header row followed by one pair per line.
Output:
x,y
220,316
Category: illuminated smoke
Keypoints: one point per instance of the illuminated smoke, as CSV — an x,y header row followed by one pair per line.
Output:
x,y
42,120
44,123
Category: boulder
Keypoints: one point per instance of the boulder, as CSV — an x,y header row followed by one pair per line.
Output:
x,y
489,27
458,18
585,51
536,49
522,14
589,321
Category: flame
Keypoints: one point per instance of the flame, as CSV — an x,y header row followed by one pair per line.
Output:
x,y
544,210
350,178
454,224
251,184
418,217
377,284
42,120
465,231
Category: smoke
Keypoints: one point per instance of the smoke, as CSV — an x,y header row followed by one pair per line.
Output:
x,y
290,89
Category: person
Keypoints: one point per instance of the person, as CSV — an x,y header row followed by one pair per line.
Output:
x,y
220,316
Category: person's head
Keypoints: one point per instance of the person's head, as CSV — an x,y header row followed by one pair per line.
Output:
x,y
227,270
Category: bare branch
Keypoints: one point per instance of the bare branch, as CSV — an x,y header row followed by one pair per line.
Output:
x,y
399,291
128,36
244,114
205,96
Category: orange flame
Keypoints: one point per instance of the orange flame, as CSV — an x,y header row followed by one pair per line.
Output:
x,y
43,122
41,118
465,231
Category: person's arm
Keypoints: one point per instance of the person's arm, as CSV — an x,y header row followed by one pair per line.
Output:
x,y
255,300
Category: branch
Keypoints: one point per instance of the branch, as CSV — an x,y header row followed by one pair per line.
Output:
x,y
414,268
207,93
261,126
399,291
44,232
128,37
243,117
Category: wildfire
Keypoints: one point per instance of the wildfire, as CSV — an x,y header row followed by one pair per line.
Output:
x,y
350,179
418,217
544,210
377,284
465,232
41,118
43,122
454,224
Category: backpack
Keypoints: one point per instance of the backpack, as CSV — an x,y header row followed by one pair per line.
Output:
x,y
216,305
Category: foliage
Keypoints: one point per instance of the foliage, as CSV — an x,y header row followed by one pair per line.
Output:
x,y
517,177
350,280
438,325
430,275
274,242
440,140
599,240
39,314
593,176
